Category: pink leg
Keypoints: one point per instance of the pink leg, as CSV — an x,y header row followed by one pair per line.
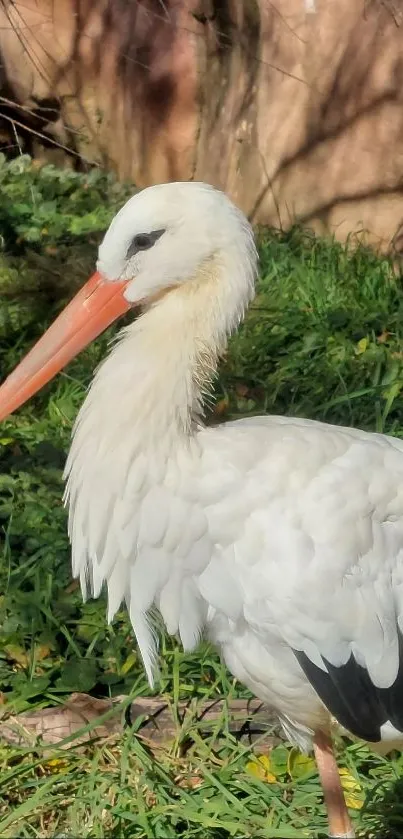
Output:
x,y
340,826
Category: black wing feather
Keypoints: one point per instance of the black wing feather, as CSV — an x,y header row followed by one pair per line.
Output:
x,y
392,697
353,699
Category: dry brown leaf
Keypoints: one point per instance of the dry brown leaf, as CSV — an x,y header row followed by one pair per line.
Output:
x,y
221,407
188,781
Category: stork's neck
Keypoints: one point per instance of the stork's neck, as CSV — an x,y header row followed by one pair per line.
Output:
x,y
151,387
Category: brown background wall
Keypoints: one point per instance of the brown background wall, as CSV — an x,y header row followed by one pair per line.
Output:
x,y
295,107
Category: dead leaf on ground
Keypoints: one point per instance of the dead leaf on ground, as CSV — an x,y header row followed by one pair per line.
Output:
x,y
383,337
261,768
353,792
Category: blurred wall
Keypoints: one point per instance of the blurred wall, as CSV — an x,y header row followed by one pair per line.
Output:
x,y
294,107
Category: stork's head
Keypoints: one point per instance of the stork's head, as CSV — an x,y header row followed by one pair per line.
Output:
x,y
158,240
163,234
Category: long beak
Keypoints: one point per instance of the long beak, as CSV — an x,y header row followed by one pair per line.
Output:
x,y
92,310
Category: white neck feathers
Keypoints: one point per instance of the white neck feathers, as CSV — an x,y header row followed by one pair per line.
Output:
x,y
151,386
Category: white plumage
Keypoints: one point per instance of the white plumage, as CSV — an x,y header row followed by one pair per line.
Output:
x,y
269,534
280,539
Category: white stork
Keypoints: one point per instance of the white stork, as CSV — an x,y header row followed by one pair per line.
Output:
x,y
279,539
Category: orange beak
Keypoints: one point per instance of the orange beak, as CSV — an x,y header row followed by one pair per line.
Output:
x,y
92,310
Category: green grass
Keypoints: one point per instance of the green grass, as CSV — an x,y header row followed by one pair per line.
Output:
x,y
324,339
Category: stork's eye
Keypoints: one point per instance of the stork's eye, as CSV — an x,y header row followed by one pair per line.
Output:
x,y
143,241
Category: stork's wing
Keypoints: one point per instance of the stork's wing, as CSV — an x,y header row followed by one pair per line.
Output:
x,y
318,558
